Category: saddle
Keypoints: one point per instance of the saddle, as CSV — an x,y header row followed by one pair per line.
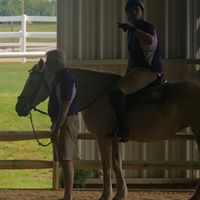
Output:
x,y
154,93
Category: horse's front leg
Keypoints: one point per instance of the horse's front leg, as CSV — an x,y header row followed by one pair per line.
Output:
x,y
105,146
121,187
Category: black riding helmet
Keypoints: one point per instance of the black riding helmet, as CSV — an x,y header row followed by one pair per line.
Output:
x,y
132,3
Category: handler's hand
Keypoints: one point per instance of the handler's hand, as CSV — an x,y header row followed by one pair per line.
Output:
x,y
55,132
125,26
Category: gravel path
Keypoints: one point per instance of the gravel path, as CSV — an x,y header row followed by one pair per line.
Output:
x,y
91,194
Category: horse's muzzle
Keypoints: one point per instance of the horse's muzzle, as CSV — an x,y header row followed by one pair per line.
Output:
x,y
22,108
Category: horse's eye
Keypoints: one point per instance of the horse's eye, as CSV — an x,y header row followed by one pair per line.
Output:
x,y
32,82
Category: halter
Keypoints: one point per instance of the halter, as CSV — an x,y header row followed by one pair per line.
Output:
x,y
42,78
46,85
40,111
31,98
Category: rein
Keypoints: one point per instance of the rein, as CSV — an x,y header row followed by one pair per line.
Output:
x,y
35,134
98,96
40,111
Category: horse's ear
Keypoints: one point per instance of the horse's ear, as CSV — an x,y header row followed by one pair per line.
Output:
x,y
41,64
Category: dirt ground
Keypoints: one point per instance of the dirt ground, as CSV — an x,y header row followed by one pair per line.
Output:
x,y
92,194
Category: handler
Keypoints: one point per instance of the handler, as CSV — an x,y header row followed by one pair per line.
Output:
x,y
62,109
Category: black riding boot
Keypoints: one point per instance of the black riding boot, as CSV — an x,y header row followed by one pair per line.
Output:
x,y
118,103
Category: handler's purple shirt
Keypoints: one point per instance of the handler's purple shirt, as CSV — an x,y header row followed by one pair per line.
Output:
x,y
141,55
67,82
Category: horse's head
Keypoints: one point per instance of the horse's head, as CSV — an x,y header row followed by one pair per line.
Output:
x,y
36,89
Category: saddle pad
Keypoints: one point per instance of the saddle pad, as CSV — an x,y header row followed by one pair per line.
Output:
x,y
149,95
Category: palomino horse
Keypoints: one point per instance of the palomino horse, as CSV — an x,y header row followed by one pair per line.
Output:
x,y
147,122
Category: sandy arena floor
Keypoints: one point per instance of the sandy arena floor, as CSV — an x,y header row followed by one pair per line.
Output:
x,y
92,194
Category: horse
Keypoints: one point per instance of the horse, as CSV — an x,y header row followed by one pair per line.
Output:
x,y
146,121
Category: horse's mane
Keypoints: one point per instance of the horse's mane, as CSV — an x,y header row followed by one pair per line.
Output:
x,y
92,84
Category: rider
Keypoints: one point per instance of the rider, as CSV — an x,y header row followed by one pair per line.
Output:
x,y
144,63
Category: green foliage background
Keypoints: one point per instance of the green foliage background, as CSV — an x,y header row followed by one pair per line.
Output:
x,y
31,7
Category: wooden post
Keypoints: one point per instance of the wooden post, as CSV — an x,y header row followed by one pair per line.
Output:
x,y
56,175
56,169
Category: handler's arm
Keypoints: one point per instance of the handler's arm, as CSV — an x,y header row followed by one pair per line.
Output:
x,y
63,111
144,37
62,117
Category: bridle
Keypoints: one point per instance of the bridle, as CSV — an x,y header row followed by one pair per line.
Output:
x,y
31,99
40,111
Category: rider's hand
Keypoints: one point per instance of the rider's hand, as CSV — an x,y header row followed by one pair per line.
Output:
x,y
125,27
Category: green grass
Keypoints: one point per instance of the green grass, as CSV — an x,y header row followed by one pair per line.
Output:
x,y
13,76
12,79
15,27
25,179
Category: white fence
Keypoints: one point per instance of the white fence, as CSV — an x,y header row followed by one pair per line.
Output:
x,y
22,35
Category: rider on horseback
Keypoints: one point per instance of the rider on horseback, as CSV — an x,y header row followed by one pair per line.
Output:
x,y
144,63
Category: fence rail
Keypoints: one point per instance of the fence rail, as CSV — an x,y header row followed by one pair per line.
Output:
x,y
84,164
92,164
22,35
28,135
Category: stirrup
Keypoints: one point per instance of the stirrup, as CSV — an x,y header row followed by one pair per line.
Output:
x,y
117,134
113,134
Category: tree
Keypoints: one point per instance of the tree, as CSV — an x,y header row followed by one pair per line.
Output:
x,y
39,7
31,7
10,7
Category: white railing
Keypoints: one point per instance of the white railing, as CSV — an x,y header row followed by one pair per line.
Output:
x,y
23,34
22,54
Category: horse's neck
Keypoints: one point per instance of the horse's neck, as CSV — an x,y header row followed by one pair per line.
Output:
x,y
92,84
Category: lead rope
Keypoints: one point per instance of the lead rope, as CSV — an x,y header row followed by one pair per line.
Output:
x,y
36,137
40,111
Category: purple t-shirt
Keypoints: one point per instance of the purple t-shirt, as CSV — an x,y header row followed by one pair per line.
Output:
x,y
67,92
143,55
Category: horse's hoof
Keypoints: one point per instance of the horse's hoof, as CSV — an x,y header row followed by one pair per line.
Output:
x,y
118,198
104,198
193,198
